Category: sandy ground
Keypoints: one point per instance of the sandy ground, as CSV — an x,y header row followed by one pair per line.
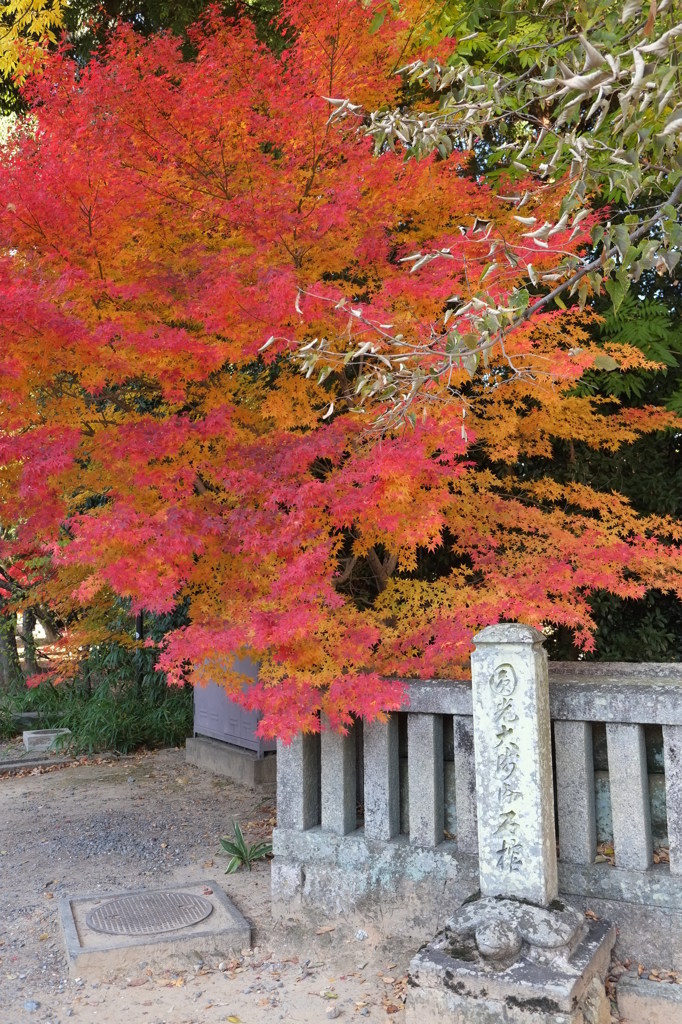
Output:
x,y
148,821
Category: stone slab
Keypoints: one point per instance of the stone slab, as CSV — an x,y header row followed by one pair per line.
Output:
x,y
591,692
448,983
646,935
396,884
43,739
93,954
655,887
235,763
653,1002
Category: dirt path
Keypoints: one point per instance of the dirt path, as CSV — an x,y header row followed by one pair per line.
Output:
x,y
148,821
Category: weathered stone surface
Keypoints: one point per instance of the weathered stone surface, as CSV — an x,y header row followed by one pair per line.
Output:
x,y
653,888
449,805
558,928
398,886
465,784
395,883
652,671
672,749
498,940
425,779
382,779
298,782
590,692
647,1001
575,791
646,934
439,696
514,791
339,807
629,787
657,804
448,982
616,693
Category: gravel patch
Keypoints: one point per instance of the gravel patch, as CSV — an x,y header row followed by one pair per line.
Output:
x,y
117,824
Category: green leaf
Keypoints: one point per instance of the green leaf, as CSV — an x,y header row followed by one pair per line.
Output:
x,y
616,291
605,362
376,22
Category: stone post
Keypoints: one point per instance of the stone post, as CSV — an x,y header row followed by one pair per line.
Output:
x,y
517,953
513,753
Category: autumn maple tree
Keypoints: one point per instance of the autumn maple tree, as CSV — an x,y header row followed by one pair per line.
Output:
x,y
178,240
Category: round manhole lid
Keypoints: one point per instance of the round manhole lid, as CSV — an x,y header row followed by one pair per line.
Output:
x,y
149,913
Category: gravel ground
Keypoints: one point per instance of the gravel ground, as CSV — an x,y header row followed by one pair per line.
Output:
x,y
147,821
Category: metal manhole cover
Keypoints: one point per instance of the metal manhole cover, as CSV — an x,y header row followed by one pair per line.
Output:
x,y
149,913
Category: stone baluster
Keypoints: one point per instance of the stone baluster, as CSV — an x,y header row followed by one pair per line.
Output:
x,y
382,779
575,792
672,752
465,784
629,786
425,779
339,790
298,782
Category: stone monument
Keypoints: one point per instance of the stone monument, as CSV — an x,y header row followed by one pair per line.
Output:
x,y
515,954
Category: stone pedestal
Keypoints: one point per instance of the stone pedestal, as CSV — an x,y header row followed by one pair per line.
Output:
x,y
516,954
501,961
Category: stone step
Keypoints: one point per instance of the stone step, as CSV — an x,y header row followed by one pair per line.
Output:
x,y
641,1001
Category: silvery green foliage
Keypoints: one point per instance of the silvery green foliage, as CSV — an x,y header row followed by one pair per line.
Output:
x,y
549,92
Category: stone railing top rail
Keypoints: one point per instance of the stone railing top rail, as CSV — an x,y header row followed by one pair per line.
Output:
x,y
650,694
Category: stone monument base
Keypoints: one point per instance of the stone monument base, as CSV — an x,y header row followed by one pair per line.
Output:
x,y
505,961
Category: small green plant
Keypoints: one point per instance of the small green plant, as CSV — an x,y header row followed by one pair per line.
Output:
x,y
242,852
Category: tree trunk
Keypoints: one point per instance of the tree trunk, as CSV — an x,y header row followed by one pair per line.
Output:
x,y
11,676
31,667
47,621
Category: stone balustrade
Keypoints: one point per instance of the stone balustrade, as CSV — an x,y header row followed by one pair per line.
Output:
x,y
382,822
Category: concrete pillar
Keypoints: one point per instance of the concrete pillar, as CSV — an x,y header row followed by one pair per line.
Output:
x,y
298,782
513,753
575,792
465,784
629,786
425,779
339,808
382,780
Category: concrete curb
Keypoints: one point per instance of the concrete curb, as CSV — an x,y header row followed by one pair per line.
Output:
x,y
10,767
653,1002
